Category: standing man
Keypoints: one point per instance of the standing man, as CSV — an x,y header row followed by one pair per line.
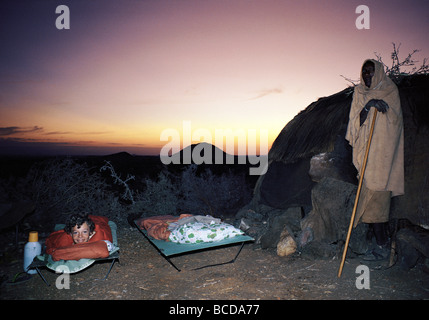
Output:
x,y
384,174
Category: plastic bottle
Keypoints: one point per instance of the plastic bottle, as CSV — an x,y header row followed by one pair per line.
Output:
x,y
31,249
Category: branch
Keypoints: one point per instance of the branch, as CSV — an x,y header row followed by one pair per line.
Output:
x,y
128,194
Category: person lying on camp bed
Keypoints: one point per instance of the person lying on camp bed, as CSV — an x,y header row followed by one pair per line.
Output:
x,y
84,236
80,227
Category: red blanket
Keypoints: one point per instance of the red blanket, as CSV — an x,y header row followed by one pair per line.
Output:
x,y
87,250
157,227
60,244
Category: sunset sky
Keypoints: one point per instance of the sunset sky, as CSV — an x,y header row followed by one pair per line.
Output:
x,y
127,70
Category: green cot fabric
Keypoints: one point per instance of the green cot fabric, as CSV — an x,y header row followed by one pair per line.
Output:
x,y
169,248
73,266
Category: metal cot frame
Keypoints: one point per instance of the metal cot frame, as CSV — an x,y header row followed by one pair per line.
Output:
x,y
169,249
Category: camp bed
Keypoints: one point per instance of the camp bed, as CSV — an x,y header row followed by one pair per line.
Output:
x,y
74,266
168,249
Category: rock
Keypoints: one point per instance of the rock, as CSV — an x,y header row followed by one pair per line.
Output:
x,y
333,202
276,224
251,222
286,245
244,225
319,250
249,214
336,164
321,166
413,245
305,236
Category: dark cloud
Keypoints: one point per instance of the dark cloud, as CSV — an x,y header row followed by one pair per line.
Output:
x,y
57,132
267,92
51,133
11,146
9,131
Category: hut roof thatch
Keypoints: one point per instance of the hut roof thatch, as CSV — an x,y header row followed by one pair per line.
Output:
x,y
313,130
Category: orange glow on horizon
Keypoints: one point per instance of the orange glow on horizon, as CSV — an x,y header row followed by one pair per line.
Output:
x,y
124,73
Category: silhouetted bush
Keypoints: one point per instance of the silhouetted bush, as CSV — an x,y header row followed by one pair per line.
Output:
x,y
62,186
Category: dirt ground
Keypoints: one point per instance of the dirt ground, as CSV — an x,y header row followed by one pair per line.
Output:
x,y
143,274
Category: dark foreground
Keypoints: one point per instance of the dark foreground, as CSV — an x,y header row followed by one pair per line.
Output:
x,y
143,274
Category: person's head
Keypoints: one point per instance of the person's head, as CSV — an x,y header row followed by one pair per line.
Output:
x,y
368,71
80,227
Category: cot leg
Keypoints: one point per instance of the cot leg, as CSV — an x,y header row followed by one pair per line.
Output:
x,y
236,256
172,264
220,264
43,278
108,271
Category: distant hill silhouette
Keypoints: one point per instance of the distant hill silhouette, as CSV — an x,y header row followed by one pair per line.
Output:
x,y
197,154
119,156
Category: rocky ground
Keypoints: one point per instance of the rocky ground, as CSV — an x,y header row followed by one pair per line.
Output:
x,y
257,274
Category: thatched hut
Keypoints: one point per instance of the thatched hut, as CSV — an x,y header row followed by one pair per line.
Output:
x,y
320,129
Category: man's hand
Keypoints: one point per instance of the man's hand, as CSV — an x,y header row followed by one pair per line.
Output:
x,y
380,105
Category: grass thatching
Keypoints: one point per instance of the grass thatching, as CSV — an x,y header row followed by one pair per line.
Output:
x,y
313,130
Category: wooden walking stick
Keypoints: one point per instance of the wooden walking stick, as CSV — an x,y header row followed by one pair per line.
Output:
x,y
357,193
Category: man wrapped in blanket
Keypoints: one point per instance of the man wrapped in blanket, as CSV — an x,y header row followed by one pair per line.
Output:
x,y
384,174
